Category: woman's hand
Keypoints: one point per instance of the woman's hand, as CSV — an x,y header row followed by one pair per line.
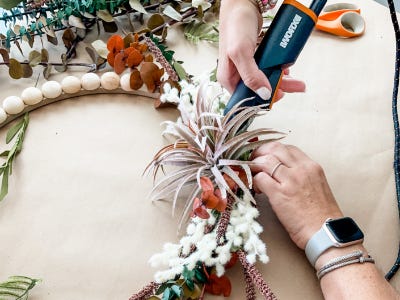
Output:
x,y
297,190
240,21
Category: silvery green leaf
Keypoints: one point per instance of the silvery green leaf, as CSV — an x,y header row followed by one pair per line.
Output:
x,y
105,16
76,22
101,48
136,5
172,13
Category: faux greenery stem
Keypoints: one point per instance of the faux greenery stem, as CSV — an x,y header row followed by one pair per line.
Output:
x,y
18,132
17,287
46,64
49,26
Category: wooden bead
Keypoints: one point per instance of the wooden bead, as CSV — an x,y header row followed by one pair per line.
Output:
x,y
3,115
71,84
90,81
31,95
13,105
51,89
110,81
126,82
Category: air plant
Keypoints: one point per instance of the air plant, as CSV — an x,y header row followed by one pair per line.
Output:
x,y
210,156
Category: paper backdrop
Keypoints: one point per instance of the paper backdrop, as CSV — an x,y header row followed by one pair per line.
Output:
x,y
78,214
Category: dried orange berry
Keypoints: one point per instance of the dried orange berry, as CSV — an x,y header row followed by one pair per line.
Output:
x,y
111,58
149,58
119,63
134,58
136,81
115,43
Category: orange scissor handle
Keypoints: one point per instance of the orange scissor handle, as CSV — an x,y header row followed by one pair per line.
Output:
x,y
348,24
333,11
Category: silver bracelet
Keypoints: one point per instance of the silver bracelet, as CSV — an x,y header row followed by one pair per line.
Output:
x,y
345,260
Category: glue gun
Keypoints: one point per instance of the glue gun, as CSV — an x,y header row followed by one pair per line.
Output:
x,y
280,48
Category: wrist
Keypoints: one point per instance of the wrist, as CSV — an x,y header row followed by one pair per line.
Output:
x,y
334,233
332,253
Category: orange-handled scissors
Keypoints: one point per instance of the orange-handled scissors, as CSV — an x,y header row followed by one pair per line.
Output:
x,y
341,19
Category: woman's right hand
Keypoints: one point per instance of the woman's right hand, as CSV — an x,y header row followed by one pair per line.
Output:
x,y
297,190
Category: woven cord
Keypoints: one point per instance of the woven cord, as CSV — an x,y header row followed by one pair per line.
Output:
x,y
396,163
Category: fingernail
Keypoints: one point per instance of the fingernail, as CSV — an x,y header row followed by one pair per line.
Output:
x,y
264,93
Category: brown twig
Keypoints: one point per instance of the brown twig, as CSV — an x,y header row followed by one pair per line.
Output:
x,y
224,221
146,292
256,277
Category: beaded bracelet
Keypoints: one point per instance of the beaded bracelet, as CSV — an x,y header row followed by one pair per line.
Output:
x,y
264,5
345,260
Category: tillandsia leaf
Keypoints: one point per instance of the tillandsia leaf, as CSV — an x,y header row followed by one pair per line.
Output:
x,y
17,287
252,146
184,181
229,147
242,164
242,139
238,181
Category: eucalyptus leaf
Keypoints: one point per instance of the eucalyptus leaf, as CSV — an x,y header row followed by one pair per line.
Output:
x,y
51,39
68,37
100,47
110,27
16,43
27,70
35,57
15,69
47,71
75,22
172,13
156,20
8,4
5,55
177,290
44,56
136,5
105,16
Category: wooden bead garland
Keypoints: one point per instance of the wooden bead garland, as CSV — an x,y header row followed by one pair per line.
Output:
x,y
71,86
31,95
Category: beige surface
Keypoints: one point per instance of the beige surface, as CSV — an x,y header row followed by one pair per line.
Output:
x,y
78,214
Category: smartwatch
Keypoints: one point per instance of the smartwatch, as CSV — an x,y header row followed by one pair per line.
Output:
x,y
337,233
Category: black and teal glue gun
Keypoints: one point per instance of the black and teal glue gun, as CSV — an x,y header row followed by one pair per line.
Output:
x,y
280,48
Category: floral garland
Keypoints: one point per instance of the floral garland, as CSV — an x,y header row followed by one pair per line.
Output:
x,y
210,153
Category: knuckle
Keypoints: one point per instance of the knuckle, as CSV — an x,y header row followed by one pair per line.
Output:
x,y
273,146
314,168
250,80
234,51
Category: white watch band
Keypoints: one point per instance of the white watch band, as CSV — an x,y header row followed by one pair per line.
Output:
x,y
318,244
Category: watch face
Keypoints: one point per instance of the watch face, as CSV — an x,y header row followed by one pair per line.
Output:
x,y
345,230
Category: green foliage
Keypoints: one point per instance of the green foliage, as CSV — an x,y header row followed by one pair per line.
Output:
x,y
16,132
199,31
187,286
8,4
17,288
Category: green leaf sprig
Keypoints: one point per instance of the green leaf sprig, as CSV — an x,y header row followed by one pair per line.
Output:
x,y
188,286
17,288
18,132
